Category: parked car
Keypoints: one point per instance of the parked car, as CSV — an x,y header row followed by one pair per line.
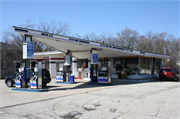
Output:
x,y
10,79
169,73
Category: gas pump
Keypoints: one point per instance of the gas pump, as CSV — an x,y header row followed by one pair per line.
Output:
x,y
94,65
94,73
18,78
59,74
34,77
104,74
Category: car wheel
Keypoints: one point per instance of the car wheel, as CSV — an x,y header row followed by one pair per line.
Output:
x,y
176,79
44,85
9,83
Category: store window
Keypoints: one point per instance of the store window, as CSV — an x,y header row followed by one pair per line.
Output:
x,y
82,63
117,63
131,65
145,65
157,66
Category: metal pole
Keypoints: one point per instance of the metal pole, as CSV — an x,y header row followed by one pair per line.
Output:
x,y
39,74
109,71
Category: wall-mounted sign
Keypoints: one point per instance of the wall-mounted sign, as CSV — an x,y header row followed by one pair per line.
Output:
x,y
28,50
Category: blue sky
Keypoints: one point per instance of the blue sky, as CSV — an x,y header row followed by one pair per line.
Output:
x,y
96,16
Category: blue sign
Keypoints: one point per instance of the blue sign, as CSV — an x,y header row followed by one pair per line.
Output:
x,y
30,49
95,58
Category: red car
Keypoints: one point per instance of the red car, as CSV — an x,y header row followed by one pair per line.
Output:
x,y
169,73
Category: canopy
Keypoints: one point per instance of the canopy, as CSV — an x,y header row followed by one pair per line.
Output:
x,y
81,48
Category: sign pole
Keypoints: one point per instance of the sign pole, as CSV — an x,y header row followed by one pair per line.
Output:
x,y
28,53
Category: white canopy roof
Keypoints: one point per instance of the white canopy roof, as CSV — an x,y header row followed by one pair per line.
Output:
x,y
47,53
81,48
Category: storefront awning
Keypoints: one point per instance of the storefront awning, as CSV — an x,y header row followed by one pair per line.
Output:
x,y
81,48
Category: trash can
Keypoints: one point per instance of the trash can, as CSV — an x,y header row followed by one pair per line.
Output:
x,y
124,75
71,78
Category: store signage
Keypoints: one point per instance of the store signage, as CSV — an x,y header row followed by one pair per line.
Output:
x,y
94,57
46,34
28,50
142,52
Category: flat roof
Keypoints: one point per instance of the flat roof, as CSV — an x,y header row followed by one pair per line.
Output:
x,y
80,48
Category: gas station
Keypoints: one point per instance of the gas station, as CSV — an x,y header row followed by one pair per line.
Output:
x,y
104,62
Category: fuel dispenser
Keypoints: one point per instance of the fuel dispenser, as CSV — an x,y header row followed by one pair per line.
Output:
x,y
60,74
18,78
93,73
104,74
67,70
34,77
94,65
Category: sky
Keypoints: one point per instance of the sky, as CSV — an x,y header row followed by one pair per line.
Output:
x,y
96,16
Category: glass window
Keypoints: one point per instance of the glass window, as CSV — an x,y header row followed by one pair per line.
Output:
x,y
157,66
145,65
82,63
117,63
4,64
4,54
131,64
149,65
14,53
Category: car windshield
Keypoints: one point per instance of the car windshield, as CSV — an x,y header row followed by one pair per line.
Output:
x,y
166,70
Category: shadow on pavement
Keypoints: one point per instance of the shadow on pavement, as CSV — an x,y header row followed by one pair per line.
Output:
x,y
114,83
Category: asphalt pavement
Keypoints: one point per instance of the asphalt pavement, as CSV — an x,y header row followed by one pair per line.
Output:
x,y
148,99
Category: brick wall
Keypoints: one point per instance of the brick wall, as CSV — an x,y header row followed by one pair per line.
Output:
x,y
9,56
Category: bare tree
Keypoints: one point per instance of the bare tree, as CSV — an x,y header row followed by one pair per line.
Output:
x,y
129,37
108,38
92,37
142,42
55,27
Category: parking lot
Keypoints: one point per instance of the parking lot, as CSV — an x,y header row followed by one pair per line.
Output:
x,y
126,100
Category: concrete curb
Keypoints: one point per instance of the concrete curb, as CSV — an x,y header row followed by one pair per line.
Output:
x,y
30,90
67,82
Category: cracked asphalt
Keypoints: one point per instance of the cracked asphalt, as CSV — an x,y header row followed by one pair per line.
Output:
x,y
148,100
